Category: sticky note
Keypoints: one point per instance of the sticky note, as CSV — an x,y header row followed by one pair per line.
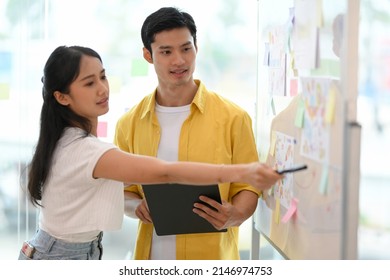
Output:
x,y
115,84
266,54
300,114
273,144
4,91
323,187
330,106
139,67
293,87
102,129
291,211
277,211
273,106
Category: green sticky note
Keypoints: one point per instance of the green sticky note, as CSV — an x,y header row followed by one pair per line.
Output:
x,y
139,67
328,67
323,188
273,106
300,114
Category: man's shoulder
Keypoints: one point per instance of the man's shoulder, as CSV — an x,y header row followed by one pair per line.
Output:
x,y
136,110
220,101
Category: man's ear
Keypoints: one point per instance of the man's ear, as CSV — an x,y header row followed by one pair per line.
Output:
x,y
61,98
147,55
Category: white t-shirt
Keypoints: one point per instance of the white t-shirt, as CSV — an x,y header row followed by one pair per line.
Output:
x,y
73,201
171,120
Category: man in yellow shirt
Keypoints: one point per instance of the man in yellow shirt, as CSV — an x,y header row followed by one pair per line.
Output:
x,y
182,120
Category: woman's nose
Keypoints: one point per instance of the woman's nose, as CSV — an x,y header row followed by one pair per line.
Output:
x,y
103,86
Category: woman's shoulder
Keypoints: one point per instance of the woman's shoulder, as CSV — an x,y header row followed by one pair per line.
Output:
x,y
74,136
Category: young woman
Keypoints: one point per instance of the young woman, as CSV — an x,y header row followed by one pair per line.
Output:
x,y
77,180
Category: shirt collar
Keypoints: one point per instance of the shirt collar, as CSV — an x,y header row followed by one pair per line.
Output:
x,y
200,97
199,100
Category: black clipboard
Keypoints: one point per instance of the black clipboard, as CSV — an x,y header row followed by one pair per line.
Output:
x,y
171,205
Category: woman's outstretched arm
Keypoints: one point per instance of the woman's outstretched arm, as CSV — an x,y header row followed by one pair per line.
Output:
x,y
137,169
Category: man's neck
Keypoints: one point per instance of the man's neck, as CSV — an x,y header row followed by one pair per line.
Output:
x,y
176,96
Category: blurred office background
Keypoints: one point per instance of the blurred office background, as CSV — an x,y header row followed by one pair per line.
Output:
x,y
227,63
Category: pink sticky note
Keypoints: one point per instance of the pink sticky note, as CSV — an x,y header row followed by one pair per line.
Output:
x,y
291,211
293,87
102,129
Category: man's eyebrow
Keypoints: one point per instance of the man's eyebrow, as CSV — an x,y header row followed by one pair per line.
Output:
x,y
164,47
186,44
92,75
170,47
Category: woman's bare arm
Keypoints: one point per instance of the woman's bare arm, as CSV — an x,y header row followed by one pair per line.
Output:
x,y
137,169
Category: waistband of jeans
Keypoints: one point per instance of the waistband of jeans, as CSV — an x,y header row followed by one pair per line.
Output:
x,y
46,242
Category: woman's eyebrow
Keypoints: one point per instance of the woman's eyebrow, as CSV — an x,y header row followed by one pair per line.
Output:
x,y
90,76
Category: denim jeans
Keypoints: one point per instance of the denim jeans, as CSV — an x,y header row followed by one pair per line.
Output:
x,y
46,247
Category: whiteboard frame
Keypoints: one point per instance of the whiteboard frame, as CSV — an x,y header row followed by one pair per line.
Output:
x,y
351,143
352,135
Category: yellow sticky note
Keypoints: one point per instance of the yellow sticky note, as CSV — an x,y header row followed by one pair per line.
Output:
x,y
115,84
273,144
300,114
277,211
330,106
4,91
320,16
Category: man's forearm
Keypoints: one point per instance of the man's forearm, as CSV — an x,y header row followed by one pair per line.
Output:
x,y
132,200
246,203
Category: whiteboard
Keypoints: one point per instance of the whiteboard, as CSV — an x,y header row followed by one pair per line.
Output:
x,y
305,114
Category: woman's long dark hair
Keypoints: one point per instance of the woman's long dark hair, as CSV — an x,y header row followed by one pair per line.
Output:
x,y
61,69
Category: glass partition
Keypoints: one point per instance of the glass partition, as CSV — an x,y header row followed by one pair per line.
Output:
x,y
374,115
29,32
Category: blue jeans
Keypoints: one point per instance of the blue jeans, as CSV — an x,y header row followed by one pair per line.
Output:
x,y
45,247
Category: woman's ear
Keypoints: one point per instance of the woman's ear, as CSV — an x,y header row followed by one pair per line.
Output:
x,y
147,55
61,98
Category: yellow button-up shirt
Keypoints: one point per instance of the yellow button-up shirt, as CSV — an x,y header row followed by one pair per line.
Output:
x,y
216,131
